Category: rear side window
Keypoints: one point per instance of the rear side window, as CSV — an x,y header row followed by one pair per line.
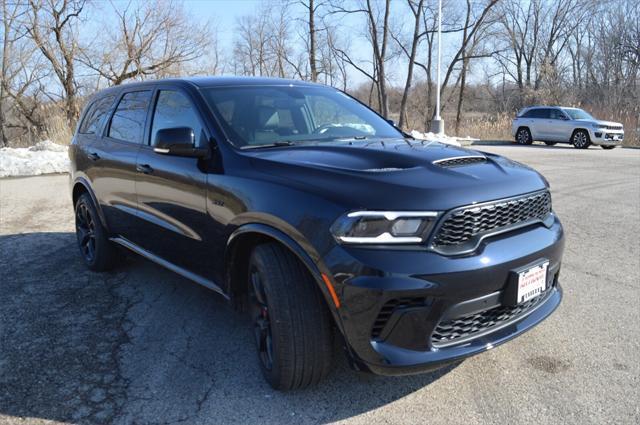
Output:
x,y
93,119
174,109
544,113
537,113
128,120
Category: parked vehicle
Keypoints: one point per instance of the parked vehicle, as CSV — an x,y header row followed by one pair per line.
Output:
x,y
319,218
558,124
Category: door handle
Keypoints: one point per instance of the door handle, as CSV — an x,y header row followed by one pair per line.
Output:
x,y
93,156
144,168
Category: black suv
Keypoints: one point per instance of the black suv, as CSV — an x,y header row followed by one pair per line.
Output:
x,y
318,217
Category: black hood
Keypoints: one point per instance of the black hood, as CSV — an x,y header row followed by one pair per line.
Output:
x,y
397,174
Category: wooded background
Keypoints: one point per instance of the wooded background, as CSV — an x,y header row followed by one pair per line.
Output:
x,y
498,56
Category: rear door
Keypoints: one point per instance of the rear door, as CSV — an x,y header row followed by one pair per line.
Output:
x,y
90,132
539,124
113,178
172,190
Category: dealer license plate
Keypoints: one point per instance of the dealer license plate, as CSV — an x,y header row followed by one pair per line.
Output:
x,y
532,282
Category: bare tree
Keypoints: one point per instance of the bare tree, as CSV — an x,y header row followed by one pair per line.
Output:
x,y
378,36
311,9
472,27
536,33
416,10
52,25
150,40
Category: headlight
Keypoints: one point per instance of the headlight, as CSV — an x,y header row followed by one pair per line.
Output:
x,y
598,126
384,227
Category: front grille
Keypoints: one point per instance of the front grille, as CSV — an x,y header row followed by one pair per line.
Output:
x,y
387,310
464,224
613,127
457,162
467,327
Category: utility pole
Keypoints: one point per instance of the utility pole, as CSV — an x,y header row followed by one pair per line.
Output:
x,y
437,124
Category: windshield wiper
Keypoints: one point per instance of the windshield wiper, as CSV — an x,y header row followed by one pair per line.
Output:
x,y
269,145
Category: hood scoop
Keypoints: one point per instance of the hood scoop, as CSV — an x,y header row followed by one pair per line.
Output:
x,y
460,161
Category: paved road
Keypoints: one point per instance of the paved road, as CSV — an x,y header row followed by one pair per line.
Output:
x,y
143,345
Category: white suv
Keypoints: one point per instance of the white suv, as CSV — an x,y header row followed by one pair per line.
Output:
x,y
555,124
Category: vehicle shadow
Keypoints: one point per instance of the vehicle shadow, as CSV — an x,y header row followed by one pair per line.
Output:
x,y
141,344
535,145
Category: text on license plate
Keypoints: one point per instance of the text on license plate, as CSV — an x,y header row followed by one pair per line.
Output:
x,y
532,282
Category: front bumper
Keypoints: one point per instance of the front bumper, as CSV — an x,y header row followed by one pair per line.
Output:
x,y
393,300
606,137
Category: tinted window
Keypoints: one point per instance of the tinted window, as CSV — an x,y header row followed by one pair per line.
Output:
x,y
174,109
128,120
538,113
544,113
267,114
529,113
94,117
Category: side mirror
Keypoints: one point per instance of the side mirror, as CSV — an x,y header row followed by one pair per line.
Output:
x,y
178,141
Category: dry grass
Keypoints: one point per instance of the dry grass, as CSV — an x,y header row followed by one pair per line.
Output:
x,y
486,127
57,128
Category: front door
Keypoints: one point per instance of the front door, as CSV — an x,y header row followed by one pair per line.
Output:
x,y
172,213
561,126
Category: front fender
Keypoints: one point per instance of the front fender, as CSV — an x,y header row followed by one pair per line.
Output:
x,y
300,247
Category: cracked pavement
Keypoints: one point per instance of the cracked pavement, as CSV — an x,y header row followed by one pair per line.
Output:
x,y
143,345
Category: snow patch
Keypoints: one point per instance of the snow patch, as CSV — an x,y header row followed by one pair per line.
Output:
x,y
442,138
44,158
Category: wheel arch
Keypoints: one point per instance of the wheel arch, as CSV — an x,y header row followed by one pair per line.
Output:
x,y
575,130
236,261
81,186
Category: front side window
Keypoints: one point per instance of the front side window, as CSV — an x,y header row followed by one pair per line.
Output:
x,y
174,109
556,114
253,116
578,114
128,120
92,122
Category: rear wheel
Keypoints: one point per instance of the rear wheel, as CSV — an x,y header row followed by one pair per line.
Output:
x,y
580,139
607,147
550,143
291,323
523,136
98,253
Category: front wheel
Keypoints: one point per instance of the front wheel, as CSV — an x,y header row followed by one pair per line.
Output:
x,y
580,139
291,323
607,147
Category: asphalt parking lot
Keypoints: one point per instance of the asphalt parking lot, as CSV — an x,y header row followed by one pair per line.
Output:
x,y
143,345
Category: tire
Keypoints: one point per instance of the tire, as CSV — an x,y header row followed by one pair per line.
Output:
x,y
291,323
607,147
98,253
580,139
523,136
550,143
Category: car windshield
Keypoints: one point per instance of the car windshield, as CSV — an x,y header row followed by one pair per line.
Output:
x,y
578,114
255,116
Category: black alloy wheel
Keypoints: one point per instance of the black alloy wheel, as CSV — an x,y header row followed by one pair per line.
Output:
x,y
259,313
